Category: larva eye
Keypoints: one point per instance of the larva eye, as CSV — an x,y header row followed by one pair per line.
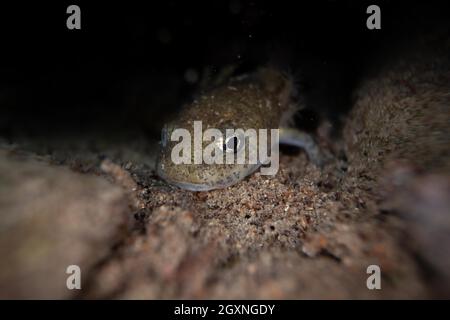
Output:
x,y
232,144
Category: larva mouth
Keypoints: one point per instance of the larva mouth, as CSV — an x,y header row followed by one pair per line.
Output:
x,y
203,186
182,184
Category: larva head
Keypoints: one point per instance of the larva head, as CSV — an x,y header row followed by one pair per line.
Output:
x,y
245,104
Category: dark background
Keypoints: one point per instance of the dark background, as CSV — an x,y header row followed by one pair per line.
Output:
x,y
126,67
